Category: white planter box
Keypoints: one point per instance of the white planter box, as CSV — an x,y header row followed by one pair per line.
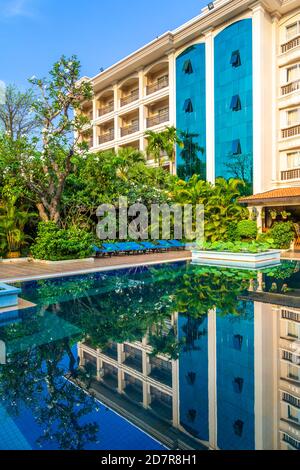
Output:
x,y
240,260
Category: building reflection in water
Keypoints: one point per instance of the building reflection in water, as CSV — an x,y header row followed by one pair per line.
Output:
x,y
235,384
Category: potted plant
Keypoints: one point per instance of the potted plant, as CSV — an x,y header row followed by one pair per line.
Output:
x,y
285,215
273,214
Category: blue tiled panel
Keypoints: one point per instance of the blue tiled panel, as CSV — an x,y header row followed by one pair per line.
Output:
x,y
194,358
191,86
231,81
10,436
233,363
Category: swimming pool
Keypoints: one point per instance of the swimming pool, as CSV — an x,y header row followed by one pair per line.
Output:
x,y
173,355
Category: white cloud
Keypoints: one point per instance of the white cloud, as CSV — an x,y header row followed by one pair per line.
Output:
x,y
13,8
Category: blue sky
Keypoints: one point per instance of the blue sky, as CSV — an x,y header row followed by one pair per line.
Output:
x,y
34,33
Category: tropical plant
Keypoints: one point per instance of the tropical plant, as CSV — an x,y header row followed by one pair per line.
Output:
x,y
47,160
283,234
163,142
12,224
55,244
247,229
236,247
220,201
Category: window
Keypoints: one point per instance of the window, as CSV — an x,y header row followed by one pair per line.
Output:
x,y
235,104
293,117
238,428
238,384
187,67
191,378
188,106
236,147
292,30
293,330
238,342
293,372
293,160
293,73
235,59
293,414
191,415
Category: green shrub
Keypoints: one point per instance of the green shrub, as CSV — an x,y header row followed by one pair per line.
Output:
x,y
283,234
55,244
237,247
247,229
231,233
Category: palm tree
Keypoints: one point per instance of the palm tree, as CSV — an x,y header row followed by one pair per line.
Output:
x,y
171,140
156,145
125,159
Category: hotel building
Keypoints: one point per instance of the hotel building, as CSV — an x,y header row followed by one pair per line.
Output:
x,y
229,79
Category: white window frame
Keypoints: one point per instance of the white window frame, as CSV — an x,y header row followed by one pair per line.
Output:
x,y
288,114
294,66
289,26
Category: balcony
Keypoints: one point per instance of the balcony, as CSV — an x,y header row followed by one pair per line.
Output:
x,y
290,174
159,84
111,351
134,96
290,44
290,131
287,398
133,358
131,129
294,86
158,118
107,137
105,110
288,315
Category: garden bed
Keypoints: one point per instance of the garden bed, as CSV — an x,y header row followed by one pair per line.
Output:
x,y
241,259
8,296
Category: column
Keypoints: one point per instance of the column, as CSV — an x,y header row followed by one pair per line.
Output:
x,y
210,106
172,88
275,87
142,124
212,379
262,98
116,112
175,397
94,128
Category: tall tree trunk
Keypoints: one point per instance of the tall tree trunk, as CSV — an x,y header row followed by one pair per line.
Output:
x,y
42,212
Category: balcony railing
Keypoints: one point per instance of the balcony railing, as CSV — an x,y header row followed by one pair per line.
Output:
x,y
290,174
286,397
127,130
106,137
294,86
288,315
291,357
291,441
291,44
158,119
163,82
105,110
134,96
291,131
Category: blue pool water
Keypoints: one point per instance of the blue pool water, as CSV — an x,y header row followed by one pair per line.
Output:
x,y
154,357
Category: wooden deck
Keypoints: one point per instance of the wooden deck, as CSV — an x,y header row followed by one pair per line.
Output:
x,y
25,271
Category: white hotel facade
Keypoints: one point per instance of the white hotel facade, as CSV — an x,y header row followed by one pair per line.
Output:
x,y
231,78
